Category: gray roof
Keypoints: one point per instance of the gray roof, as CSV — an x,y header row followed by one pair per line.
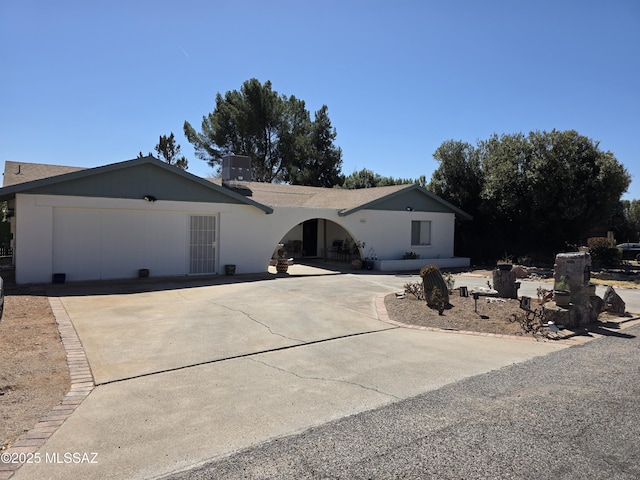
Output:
x,y
26,177
283,195
39,178
22,172
347,201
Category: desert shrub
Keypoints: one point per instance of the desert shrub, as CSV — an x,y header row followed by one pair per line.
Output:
x,y
604,253
449,280
414,289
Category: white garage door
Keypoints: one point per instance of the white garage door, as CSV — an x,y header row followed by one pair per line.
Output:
x,y
103,244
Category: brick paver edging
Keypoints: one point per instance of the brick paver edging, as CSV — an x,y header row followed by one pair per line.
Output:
x,y
81,386
384,316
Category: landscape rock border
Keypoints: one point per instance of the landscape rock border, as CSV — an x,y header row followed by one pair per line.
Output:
x,y
82,384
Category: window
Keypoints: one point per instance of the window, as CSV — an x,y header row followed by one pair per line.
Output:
x,y
420,233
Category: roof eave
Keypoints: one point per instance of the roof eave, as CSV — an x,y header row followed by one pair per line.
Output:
x,y
457,212
8,193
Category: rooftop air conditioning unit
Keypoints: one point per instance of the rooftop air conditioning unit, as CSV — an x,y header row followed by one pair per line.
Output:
x,y
236,168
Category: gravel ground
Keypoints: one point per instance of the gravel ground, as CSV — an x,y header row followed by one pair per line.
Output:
x,y
572,414
490,315
33,365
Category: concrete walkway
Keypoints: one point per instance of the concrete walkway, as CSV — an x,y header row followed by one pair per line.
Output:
x,y
190,373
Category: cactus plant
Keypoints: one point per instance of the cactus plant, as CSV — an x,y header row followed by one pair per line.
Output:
x,y
437,298
432,279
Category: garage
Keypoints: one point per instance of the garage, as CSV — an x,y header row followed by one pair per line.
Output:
x,y
106,244
111,222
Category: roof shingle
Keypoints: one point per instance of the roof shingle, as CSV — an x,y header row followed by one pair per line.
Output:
x,y
282,195
21,172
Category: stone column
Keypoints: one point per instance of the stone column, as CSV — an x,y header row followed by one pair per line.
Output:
x,y
505,283
575,269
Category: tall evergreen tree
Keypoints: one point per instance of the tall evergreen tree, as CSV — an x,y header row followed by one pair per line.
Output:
x,y
459,180
627,225
530,194
274,130
322,164
169,151
366,178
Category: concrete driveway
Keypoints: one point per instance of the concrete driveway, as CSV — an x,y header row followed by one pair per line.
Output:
x,y
190,373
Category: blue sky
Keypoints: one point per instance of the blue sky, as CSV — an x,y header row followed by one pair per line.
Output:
x,y
90,83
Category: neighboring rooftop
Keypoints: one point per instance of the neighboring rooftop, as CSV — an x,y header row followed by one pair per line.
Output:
x,y
21,172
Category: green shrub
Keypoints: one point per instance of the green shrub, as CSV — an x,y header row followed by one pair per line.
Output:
x,y
561,285
604,253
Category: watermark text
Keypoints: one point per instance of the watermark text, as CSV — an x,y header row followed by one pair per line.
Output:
x,y
68,458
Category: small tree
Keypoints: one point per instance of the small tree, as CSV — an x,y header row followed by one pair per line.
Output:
x,y
169,151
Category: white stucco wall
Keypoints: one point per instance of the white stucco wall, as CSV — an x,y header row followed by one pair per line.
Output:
x,y
246,239
96,238
33,240
387,232
102,238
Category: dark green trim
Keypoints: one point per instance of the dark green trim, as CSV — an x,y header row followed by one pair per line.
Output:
x,y
395,202
133,179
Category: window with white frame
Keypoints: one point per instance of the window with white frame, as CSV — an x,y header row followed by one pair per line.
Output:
x,y
420,233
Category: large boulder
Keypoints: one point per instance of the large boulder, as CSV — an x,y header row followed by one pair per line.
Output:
x,y
520,271
612,302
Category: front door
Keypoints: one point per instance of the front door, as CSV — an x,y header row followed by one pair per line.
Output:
x,y
202,244
310,238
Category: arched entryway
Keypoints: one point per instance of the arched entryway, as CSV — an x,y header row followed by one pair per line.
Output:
x,y
318,239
